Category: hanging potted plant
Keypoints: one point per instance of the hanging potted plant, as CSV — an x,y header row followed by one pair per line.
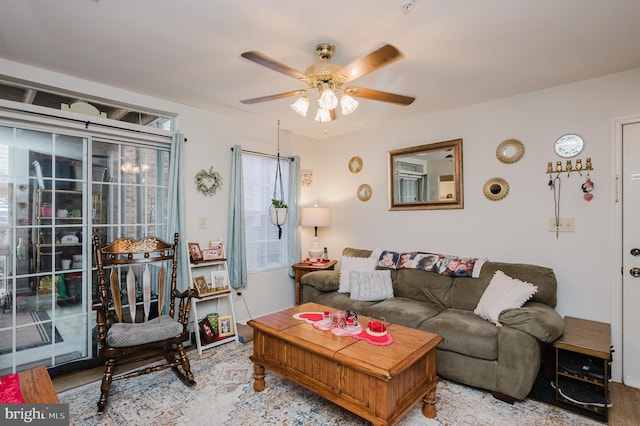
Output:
x,y
278,209
278,212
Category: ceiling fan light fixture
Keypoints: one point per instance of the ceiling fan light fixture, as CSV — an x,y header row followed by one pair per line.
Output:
x,y
301,106
348,104
323,115
328,100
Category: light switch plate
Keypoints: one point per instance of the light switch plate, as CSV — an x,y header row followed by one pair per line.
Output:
x,y
565,224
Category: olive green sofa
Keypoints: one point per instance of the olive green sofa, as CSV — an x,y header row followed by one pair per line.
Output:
x,y
504,360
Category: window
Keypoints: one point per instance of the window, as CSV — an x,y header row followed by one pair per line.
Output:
x,y
264,249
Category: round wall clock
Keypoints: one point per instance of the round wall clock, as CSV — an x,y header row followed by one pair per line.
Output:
x,y
569,145
510,151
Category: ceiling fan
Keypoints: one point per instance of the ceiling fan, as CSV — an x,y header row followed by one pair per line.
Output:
x,y
326,79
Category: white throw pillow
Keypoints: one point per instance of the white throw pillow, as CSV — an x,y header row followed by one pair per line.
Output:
x,y
370,286
348,264
503,292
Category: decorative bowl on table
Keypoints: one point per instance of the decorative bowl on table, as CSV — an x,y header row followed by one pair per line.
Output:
x,y
376,328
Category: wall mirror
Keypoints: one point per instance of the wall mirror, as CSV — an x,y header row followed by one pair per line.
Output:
x,y
426,177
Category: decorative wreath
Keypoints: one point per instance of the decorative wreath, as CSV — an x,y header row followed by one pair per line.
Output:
x,y
208,182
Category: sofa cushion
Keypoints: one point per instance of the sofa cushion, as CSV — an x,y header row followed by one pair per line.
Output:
x,y
422,285
340,301
403,311
464,333
348,264
466,292
503,293
371,286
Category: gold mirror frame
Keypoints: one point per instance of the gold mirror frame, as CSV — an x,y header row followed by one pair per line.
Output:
x,y
364,192
355,164
435,173
510,151
496,189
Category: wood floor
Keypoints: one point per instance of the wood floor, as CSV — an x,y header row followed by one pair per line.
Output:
x,y
624,412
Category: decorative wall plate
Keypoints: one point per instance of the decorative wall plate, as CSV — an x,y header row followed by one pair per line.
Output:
x,y
510,151
568,146
496,189
364,192
355,164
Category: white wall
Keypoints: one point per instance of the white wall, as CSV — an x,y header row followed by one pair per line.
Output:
x,y
210,138
514,229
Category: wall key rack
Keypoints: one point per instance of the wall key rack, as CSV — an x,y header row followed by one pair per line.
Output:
x,y
569,168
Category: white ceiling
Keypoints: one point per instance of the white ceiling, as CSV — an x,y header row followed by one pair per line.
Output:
x,y
457,53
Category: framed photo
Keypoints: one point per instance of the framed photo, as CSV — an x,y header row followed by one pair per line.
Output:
x,y
219,280
225,326
207,332
195,252
200,285
217,248
211,254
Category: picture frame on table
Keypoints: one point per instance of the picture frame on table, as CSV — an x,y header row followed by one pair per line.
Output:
x,y
225,326
201,286
195,252
210,254
207,333
216,250
219,280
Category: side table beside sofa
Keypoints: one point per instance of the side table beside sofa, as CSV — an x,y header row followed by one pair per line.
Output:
x,y
504,360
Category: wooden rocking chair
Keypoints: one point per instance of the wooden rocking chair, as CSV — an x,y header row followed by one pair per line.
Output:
x,y
123,328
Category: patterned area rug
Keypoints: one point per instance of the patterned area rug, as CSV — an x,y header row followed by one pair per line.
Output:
x,y
224,395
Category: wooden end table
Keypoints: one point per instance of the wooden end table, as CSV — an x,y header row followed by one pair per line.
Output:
x,y
302,269
589,339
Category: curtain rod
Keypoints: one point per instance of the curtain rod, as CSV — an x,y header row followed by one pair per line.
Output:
x,y
262,154
77,120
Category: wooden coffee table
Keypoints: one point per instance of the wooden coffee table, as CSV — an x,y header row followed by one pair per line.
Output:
x,y
378,383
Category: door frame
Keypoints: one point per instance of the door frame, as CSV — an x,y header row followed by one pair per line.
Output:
x,y
616,255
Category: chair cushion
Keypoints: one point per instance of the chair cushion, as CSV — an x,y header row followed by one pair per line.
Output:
x,y
126,334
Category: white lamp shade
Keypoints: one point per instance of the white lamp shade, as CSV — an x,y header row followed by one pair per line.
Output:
x,y
315,216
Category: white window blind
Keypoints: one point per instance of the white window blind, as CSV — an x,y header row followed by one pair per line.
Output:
x,y
264,249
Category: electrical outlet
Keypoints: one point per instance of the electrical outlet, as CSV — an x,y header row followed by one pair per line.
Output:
x,y
238,296
202,223
565,224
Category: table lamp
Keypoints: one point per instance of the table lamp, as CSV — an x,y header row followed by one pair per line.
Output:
x,y
315,216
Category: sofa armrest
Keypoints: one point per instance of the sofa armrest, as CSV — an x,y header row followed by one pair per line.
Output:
x,y
324,281
537,319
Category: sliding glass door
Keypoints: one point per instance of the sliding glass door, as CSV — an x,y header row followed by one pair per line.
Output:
x,y
57,190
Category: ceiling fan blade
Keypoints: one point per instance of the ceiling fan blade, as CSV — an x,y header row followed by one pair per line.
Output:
x,y
376,95
272,97
373,61
265,61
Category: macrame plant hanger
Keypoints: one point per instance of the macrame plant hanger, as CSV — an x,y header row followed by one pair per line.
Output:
x,y
278,210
